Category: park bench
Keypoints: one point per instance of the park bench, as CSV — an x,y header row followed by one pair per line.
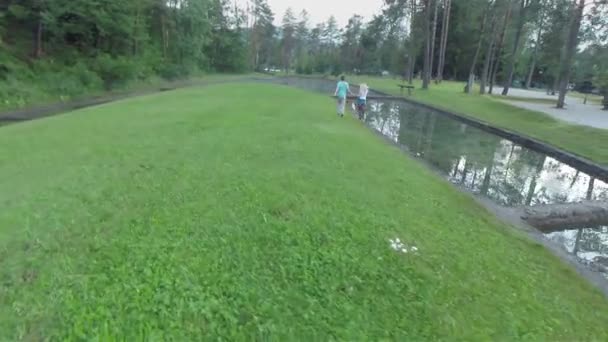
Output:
x,y
405,86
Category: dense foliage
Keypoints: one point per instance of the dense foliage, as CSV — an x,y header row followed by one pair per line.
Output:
x,y
69,47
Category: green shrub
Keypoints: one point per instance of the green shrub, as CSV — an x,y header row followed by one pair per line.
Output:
x,y
308,69
87,77
18,94
62,81
171,71
114,71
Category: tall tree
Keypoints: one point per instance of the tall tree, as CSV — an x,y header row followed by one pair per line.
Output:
x,y
445,28
330,37
601,73
553,41
524,6
331,33
412,42
350,47
570,50
482,32
491,45
371,38
426,69
537,43
261,34
302,49
433,35
497,58
288,39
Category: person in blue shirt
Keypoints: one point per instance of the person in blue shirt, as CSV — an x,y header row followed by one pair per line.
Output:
x,y
342,90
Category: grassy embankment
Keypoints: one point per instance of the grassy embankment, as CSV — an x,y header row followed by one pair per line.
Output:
x,y
236,211
51,88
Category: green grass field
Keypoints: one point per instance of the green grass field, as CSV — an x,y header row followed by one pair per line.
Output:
x,y
523,99
591,98
39,91
241,212
582,140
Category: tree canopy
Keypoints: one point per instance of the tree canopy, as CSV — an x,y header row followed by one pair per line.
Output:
x,y
527,43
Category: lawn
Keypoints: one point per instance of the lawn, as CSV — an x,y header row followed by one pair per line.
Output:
x,y
247,211
591,98
37,93
582,140
523,99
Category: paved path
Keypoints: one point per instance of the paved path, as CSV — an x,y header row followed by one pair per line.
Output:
x,y
575,112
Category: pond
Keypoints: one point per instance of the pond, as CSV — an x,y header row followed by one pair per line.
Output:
x,y
488,165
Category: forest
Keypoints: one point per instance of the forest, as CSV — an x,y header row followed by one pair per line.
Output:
x,y
66,48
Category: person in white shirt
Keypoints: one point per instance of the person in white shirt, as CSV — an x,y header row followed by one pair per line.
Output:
x,y
362,100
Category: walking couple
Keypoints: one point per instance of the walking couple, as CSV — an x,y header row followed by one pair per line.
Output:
x,y
343,90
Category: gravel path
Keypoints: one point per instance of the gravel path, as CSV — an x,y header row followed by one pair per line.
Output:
x,y
575,112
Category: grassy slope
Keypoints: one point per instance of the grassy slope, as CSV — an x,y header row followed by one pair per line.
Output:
x,y
524,99
37,95
248,210
591,98
585,141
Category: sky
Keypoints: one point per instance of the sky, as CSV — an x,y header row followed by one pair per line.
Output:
x,y
320,10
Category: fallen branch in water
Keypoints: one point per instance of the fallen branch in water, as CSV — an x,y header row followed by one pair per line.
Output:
x,y
559,217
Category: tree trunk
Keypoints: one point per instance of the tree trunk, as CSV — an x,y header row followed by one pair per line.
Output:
x,y
605,99
486,67
518,33
433,35
533,182
426,76
38,45
506,173
445,27
498,55
532,68
482,30
136,30
163,35
429,134
575,178
577,242
590,189
420,141
474,180
465,171
455,169
410,69
488,58
536,45
554,86
411,58
485,185
559,217
571,44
